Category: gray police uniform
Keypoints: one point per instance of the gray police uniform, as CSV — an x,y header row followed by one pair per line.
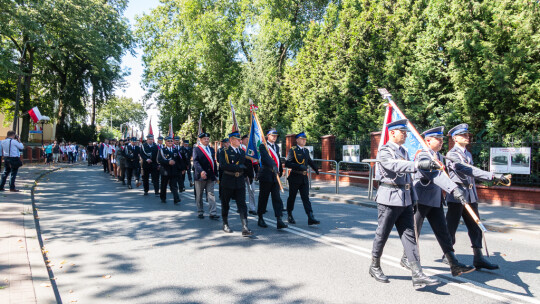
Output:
x,y
394,199
464,176
429,186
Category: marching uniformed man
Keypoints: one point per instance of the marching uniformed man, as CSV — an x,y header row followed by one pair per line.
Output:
x,y
170,160
149,153
180,178
395,198
269,173
232,162
461,170
251,166
298,160
160,142
429,186
131,154
205,175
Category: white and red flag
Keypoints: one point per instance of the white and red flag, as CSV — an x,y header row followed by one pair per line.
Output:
x,y
35,114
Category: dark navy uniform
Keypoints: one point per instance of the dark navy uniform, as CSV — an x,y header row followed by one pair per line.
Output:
x,y
395,198
150,166
224,142
268,182
133,166
169,172
461,170
232,183
297,160
187,152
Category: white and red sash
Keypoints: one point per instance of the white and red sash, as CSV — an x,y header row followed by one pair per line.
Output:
x,y
207,156
274,155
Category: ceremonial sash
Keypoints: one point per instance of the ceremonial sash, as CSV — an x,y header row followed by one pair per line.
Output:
x,y
274,155
207,156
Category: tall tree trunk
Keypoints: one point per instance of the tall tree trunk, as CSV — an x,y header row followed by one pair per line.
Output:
x,y
60,127
26,104
93,119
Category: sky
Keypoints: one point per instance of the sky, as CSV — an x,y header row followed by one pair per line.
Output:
x,y
135,64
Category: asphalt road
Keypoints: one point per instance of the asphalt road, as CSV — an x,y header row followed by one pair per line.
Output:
x,y
108,244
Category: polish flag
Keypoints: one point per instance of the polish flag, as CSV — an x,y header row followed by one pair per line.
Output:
x,y
35,114
150,131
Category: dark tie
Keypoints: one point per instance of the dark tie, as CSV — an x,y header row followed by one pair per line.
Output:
x,y
403,153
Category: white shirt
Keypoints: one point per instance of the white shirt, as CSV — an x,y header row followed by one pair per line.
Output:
x,y
14,150
206,149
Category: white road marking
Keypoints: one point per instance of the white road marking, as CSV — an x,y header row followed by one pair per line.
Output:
x,y
491,292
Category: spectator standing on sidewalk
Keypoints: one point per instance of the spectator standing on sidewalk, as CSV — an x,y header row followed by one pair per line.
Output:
x,y
48,153
10,149
56,151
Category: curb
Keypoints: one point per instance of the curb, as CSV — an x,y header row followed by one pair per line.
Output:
x,y
38,260
369,204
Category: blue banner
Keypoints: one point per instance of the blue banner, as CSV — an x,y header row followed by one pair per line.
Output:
x,y
255,140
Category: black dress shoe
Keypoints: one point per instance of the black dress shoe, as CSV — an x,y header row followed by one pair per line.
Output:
x,y
376,272
419,279
163,201
261,222
253,212
456,267
145,193
280,223
214,217
201,216
312,220
176,202
479,261
290,219
14,190
245,229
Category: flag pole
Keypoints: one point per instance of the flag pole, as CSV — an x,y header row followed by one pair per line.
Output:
x,y
265,145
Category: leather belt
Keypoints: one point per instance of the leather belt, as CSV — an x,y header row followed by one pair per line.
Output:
x,y
235,174
392,186
299,172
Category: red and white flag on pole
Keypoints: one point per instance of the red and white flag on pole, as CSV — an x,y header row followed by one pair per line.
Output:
x,y
35,114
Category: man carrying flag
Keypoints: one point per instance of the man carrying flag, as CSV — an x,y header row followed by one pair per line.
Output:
x,y
271,170
395,199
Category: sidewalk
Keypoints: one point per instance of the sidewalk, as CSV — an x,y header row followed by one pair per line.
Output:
x,y
495,218
24,277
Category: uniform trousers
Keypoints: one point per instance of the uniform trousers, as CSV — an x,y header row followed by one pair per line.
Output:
x,y
435,216
251,195
150,170
105,163
265,189
172,181
122,165
402,218
207,185
304,194
455,212
239,195
131,171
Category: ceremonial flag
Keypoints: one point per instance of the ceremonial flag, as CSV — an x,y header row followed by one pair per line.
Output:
x,y
171,133
35,114
414,140
150,131
131,133
142,136
256,138
235,127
